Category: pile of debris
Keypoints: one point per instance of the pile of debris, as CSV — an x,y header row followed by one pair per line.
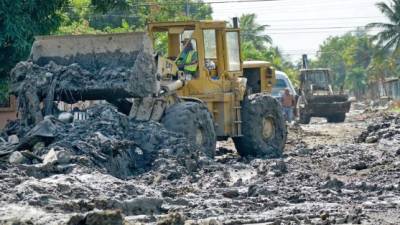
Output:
x,y
35,84
386,127
107,140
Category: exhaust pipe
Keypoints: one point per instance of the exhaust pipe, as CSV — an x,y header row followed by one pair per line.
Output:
x,y
305,61
235,21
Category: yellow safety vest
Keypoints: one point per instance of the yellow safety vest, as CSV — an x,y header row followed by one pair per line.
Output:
x,y
191,62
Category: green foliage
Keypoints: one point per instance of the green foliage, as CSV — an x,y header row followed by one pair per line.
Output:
x,y
110,13
104,6
77,27
164,10
356,61
3,90
356,80
20,21
389,36
256,45
252,32
348,57
383,64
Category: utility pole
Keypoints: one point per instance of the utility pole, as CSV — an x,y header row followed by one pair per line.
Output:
x,y
187,8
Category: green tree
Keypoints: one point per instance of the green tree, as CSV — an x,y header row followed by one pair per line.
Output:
x,y
164,10
20,21
356,80
383,64
348,57
253,32
256,45
389,37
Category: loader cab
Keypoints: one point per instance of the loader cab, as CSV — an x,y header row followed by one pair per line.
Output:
x,y
260,76
316,81
218,47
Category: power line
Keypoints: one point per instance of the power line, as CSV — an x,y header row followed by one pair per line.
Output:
x,y
198,2
312,28
243,1
323,19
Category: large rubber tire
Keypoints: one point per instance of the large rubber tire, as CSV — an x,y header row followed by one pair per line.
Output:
x,y
195,122
263,127
337,118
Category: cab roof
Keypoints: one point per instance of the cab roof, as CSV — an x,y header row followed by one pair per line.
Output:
x,y
255,64
316,69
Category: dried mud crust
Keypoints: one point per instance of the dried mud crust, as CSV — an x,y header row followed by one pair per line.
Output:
x,y
189,118
323,178
256,108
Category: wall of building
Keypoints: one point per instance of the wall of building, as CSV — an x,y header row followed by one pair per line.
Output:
x,y
393,89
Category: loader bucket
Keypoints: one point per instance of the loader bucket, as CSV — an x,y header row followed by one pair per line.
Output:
x,y
88,67
91,52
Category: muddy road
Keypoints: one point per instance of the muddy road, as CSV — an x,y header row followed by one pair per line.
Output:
x,y
325,177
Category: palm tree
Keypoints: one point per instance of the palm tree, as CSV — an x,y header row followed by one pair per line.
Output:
x,y
389,37
253,32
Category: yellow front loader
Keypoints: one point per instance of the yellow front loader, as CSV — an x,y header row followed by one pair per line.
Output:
x,y
225,97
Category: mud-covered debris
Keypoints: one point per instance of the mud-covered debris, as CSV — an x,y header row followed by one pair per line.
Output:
x,y
333,183
359,165
108,141
385,127
279,168
13,139
322,186
107,217
36,85
231,193
18,158
173,219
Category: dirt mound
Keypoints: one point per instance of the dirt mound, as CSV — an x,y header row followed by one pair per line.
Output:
x,y
385,127
108,141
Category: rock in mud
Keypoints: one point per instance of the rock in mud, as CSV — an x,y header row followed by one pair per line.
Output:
x,y
13,139
359,166
333,183
172,219
98,218
57,157
231,193
18,158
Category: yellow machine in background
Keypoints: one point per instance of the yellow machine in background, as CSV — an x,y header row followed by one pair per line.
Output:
x,y
234,92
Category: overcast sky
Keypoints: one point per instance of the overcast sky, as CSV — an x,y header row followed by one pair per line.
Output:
x,y
300,26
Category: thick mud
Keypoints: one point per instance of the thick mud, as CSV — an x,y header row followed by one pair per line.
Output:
x,y
324,177
37,86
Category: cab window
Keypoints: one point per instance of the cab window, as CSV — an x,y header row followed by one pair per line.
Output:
x,y
210,44
280,83
232,42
